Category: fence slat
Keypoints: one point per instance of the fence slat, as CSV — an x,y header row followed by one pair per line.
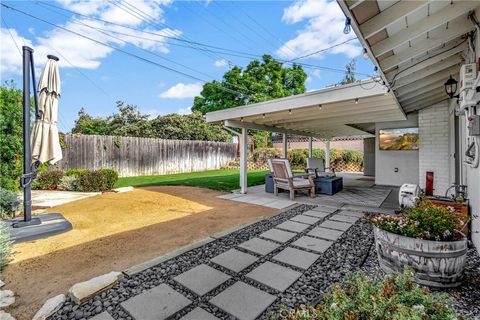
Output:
x,y
131,156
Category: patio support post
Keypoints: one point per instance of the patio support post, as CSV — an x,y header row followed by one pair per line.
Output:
x,y
243,160
327,155
310,147
284,145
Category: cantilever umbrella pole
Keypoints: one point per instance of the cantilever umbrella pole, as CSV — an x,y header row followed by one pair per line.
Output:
x,y
26,180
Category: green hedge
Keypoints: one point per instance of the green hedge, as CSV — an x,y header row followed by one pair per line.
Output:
x,y
97,180
76,180
298,157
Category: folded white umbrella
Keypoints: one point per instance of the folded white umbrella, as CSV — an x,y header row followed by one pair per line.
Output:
x,y
44,139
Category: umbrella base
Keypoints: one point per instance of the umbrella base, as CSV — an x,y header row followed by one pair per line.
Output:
x,y
23,223
50,224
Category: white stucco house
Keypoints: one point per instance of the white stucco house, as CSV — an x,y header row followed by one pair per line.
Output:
x,y
416,47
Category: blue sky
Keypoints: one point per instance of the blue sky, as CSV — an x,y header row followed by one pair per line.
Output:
x,y
94,76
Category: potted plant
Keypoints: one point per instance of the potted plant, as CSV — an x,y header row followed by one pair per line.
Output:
x,y
427,238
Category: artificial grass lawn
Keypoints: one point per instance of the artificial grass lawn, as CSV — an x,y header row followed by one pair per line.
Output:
x,y
223,180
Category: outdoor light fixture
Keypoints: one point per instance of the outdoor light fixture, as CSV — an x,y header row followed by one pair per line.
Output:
x,y
365,54
289,111
451,87
319,107
347,28
356,100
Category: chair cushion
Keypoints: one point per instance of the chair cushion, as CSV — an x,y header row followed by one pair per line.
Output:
x,y
316,163
299,182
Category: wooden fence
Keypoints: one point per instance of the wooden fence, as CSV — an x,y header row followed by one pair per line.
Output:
x,y
131,156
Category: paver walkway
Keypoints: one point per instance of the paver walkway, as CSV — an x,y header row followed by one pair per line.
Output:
x,y
288,250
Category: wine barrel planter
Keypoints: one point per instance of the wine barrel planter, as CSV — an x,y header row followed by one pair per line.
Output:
x,y
436,263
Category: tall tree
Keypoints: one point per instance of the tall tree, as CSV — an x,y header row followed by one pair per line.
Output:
x,y
86,124
350,69
258,81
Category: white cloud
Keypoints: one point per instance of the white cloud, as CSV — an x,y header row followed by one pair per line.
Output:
x,y
10,57
316,73
152,113
182,91
81,52
184,111
221,63
324,28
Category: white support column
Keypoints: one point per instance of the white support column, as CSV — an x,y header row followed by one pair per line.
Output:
x,y
243,160
285,145
310,147
327,155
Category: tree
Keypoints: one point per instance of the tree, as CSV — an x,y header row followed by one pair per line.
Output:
x,y
86,124
349,76
128,121
187,127
258,81
11,139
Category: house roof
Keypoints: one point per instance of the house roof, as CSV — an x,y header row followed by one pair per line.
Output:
x,y
416,45
344,110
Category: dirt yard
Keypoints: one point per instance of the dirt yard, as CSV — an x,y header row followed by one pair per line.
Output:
x,y
114,231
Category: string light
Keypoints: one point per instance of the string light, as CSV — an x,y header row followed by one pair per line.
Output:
x,y
365,54
319,107
356,100
289,111
241,119
263,115
347,28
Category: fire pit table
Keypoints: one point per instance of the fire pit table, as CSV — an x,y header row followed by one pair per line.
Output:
x,y
328,185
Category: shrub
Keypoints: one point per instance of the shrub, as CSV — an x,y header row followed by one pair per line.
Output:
x,y
97,180
262,155
297,158
75,172
352,156
424,221
5,246
111,177
395,297
48,180
68,183
8,203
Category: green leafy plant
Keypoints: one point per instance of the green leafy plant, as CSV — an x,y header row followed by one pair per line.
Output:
x,y
68,183
359,298
75,172
6,251
424,221
11,121
8,203
48,180
111,177
97,180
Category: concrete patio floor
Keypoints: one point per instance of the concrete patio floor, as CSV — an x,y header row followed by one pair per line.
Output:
x,y
359,193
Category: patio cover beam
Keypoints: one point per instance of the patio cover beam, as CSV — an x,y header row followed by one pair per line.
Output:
x,y
249,125
435,78
454,31
452,11
420,63
309,99
389,16
425,72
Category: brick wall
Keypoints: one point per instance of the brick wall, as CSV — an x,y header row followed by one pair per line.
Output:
x,y
434,146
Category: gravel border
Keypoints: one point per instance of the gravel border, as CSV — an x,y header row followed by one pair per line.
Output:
x,y
353,251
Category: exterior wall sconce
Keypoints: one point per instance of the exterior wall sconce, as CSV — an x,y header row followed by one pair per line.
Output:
x,y
451,87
